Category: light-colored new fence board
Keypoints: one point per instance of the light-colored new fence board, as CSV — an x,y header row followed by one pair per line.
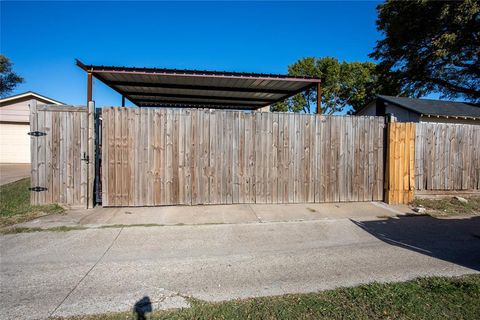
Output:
x,y
162,157
59,155
400,163
447,157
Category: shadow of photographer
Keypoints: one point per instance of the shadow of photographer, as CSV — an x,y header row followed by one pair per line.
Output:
x,y
142,307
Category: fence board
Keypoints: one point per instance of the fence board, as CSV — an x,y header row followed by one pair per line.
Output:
x,y
132,155
55,131
447,157
401,163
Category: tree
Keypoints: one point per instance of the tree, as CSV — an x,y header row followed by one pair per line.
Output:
x,y
344,85
430,46
8,78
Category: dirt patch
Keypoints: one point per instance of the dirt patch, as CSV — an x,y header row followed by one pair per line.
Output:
x,y
449,206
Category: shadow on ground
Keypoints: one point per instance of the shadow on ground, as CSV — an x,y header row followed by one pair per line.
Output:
x,y
453,240
142,307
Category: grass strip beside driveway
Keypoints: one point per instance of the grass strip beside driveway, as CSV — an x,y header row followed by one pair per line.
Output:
x,y
424,298
15,204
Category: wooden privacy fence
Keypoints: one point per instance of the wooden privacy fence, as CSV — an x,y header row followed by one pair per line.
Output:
x,y
61,146
167,156
447,157
172,156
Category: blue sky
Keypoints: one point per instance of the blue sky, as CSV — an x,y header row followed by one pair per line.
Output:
x,y
43,38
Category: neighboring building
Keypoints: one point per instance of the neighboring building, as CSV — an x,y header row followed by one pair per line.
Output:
x,y
422,110
15,124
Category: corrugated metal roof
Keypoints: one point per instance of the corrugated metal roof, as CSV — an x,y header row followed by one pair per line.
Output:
x,y
214,89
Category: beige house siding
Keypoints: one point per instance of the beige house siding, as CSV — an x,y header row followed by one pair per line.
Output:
x,y
15,112
14,126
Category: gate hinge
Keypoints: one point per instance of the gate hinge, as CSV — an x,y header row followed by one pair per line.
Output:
x,y
38,189
37,133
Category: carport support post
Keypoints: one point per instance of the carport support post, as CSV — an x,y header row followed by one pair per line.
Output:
x,y
123,101
91,155
319,98
89,87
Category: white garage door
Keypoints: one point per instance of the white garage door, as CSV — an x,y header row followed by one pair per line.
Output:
x,y
14,143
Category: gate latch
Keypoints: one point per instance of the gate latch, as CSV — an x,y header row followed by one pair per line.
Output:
x,y
37,133
38,189
85,157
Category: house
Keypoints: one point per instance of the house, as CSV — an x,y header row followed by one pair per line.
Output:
x,y
422,110
15,125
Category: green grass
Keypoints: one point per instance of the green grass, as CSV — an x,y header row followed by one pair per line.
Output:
x,y
424,298
147,225
449,206
13,230
15,204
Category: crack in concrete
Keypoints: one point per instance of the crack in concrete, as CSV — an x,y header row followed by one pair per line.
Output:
x,y
255,214
86,274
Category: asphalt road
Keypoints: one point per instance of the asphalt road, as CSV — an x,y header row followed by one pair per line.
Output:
x,y
100,270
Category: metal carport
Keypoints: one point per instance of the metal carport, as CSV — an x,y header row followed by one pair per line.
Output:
x,y
160,87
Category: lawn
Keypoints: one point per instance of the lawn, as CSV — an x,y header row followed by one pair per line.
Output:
x,y
449,206
425,298
15,204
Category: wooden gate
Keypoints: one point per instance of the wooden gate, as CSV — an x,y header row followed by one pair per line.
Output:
x,y
60,155
171,156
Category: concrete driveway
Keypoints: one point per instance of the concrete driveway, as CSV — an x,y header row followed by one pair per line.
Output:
x,y
99,270
10,172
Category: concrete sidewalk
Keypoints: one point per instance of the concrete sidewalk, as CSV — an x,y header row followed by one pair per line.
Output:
x,y
216,214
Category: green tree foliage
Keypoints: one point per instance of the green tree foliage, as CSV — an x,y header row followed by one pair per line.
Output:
x,y
430,46
345,85
8,78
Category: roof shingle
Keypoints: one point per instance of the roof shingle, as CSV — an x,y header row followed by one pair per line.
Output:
x,y
435,107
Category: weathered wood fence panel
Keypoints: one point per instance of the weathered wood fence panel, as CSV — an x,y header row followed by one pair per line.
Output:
x,y
162,157
59,140
400,180
447,157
